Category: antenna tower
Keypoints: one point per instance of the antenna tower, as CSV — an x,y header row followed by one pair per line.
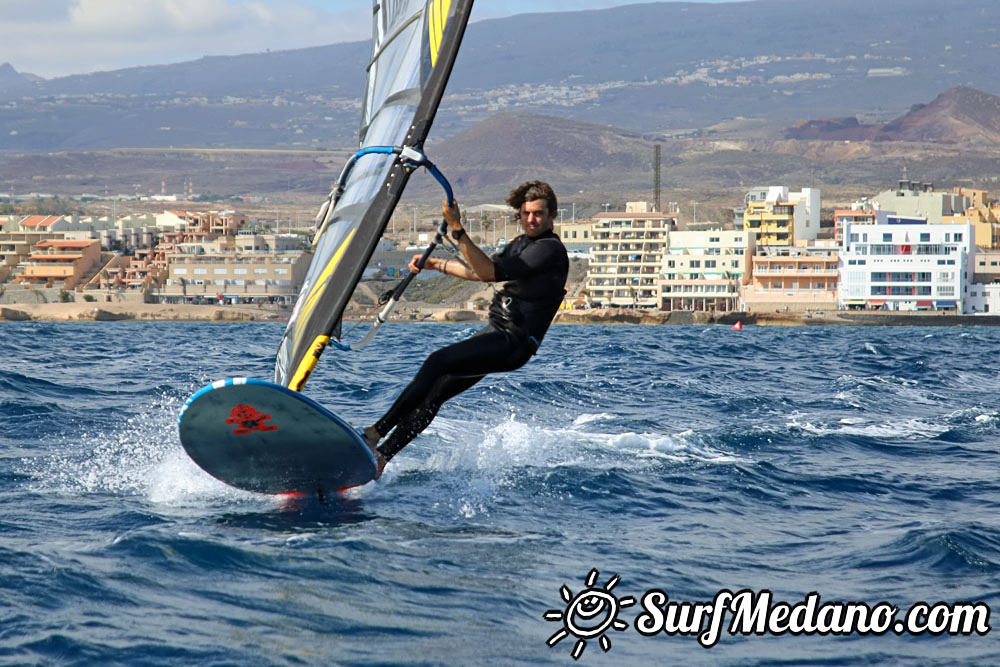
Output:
x,y
656,176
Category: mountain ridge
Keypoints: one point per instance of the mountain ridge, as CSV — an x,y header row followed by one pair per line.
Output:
x,y
654,68
961,115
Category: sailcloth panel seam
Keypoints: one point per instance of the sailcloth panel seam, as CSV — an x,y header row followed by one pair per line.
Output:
x,y
399,31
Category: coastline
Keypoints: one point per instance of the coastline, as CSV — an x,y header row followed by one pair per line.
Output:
x,y
111,312
84,312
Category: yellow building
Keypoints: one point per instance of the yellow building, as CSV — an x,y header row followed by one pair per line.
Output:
x,y
780,218
984,216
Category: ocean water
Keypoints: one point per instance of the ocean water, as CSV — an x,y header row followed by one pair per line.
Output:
x,y
859,464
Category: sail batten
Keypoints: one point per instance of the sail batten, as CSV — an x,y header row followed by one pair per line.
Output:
x,y
414,46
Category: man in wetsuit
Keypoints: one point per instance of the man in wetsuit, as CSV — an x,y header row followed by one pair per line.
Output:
x,y
534,267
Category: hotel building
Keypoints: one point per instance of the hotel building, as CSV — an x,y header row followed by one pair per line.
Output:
x,y
627,256
906,265
796,278
702,270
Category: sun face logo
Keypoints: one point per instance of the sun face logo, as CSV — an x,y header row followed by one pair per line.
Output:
x,y
591,613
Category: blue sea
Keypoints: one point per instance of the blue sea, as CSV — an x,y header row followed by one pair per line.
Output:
x,y
858,464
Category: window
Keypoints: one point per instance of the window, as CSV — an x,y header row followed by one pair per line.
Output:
x,y
709,263
180,272
695,263
200,272
887,237
219,272
925,237
958,237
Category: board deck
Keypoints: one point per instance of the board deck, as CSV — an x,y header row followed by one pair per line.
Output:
x,y
261,436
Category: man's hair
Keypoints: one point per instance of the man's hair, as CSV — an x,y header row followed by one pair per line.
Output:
x,y
531,191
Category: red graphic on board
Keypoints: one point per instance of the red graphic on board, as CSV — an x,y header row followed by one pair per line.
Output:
x,y
249,420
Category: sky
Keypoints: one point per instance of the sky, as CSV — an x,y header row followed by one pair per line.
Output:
x,y
52,38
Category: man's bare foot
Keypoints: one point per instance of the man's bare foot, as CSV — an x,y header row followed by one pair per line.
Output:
x,y
372,437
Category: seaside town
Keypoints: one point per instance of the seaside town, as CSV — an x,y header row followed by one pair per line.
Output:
x,y
908,249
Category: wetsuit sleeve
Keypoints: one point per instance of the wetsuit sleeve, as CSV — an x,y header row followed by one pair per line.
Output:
x,y
534,259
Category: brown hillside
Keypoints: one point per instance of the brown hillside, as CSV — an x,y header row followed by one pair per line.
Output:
x,y
512,147
960,116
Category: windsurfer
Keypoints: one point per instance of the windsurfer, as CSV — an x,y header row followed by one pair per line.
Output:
x,y
533,268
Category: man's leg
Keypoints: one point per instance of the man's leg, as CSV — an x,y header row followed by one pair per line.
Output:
x,y
445,374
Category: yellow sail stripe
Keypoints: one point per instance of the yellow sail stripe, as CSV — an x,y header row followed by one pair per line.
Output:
x,y
436,23
314,293
308,363
310,302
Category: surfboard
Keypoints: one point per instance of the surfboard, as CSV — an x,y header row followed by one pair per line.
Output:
x,y
264,437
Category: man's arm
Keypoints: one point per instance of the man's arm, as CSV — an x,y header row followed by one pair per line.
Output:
x,y
482,265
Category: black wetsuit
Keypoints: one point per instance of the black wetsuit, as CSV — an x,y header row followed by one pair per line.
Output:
x,y
535,271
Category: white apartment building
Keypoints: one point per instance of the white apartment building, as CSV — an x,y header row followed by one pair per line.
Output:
x,y
702,270
627,256
909,266
984,299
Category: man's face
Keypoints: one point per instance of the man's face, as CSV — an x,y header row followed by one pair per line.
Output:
x,y
536,218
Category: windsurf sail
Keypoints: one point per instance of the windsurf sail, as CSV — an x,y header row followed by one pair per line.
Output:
x,y
414,46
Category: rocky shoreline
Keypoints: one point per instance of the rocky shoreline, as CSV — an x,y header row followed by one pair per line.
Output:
x,y
76,312
73,312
